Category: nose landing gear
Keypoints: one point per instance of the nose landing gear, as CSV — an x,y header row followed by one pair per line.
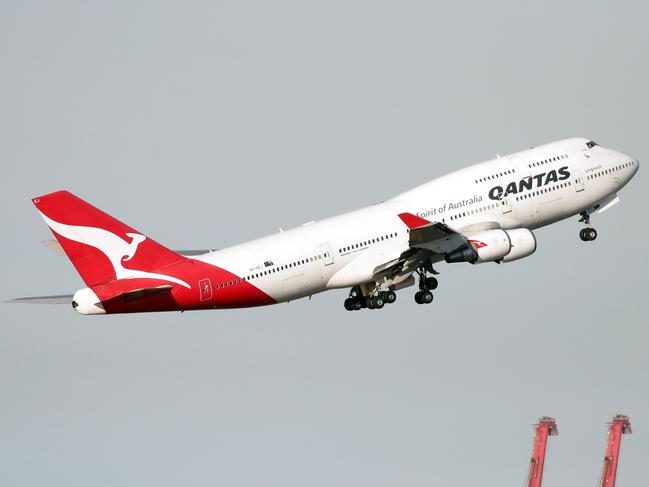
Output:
x,y
587,234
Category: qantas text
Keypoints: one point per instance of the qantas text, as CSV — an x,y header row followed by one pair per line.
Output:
x,y
497,192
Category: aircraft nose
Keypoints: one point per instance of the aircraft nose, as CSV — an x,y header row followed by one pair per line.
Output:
x,y
635,165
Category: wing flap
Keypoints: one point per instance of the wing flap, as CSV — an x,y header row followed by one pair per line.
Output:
x,y
436,237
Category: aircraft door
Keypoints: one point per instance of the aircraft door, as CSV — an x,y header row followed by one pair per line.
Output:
x,y
327,255
522,169
578,180
505,206
205,289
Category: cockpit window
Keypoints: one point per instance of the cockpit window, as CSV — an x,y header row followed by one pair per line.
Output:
x,y
591,144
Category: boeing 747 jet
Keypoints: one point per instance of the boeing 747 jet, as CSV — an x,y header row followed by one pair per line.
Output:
x,y
483,213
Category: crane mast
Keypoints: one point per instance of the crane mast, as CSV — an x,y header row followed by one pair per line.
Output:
x,y
546,427
620,425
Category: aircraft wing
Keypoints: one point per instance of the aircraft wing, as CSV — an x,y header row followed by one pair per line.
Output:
x,y
437,237
429,242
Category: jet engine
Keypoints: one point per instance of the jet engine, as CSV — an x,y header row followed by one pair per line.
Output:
x,y
523,244
495,246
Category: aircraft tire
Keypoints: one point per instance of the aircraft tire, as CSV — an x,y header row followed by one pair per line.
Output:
x,y
389,297
432,283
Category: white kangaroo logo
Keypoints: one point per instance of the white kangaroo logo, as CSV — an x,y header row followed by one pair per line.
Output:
x,y
115,248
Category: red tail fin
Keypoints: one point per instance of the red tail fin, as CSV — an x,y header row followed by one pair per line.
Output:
x,y
100,247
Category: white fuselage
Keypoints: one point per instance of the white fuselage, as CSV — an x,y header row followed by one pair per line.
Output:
x,y
561,179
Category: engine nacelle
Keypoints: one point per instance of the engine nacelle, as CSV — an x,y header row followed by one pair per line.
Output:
x,y
523,244
486,246
495,246
491,245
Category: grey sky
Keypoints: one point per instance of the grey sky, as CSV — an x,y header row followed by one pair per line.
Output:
x,y
206,124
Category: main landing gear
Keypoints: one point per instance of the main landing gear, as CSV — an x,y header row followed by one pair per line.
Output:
x,y
426,285
587,234
376,300
370,295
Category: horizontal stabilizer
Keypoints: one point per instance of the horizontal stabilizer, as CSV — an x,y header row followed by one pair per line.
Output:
x,y
55,247
58,299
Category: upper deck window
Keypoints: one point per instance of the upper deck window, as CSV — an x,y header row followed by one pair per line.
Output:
x,y
591,143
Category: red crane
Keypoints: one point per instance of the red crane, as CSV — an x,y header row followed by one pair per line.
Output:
x,y
616,428
547,427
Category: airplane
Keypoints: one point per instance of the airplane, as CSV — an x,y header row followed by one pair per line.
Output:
x,y
483,213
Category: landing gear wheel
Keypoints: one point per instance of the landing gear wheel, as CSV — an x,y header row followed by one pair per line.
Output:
x,y
357,304
431,283
582,235
389,297
375,302
591,233
349,304
423,297
355,293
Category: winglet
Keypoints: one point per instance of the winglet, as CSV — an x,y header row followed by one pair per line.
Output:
x,y
413,221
